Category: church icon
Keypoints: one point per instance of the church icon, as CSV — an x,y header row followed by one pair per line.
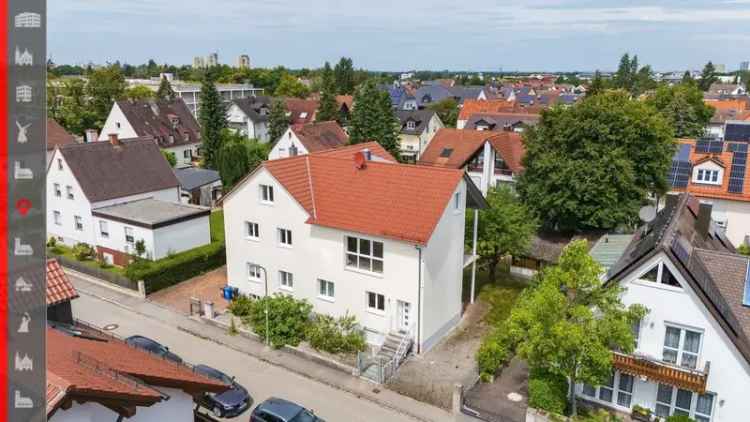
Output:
x,y
24,363
24,58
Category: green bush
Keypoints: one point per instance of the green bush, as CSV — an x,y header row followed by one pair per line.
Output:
x,y
744,249
547,391
680,418
52,242
493,353
83,251
287,316
240,306
176,268
332,335
599,415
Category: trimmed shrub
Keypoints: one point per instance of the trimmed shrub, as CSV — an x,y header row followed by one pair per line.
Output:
x,y
547,391
599,415
680,418
176,268
332,335
83,251
241,306
492,355
287,316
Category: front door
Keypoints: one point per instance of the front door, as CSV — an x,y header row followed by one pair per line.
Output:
x,y
404,316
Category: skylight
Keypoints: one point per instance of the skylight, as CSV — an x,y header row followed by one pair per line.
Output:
x,y
446,152
746,297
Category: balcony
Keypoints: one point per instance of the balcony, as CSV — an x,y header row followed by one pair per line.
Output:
x,y
657,371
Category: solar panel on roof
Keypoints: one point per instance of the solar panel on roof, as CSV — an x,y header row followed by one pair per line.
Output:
x,y
709,146
737,173
679,174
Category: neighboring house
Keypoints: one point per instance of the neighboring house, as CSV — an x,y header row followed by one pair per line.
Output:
x,y
346,105
370,238
56,136
726,111
428,94
692,354
417,129
110,195
737,131
545,250
400,97
170,124
312,137
190,93
489,158
723,89
249,117
508,122
199,186
717,173
60,292
472,107
300,112
93,376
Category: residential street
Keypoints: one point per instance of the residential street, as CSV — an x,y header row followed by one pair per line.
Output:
x,y
263,380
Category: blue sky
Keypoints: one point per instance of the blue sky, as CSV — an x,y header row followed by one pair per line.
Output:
x,y
405,34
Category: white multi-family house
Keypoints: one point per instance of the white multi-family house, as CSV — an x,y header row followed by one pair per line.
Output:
x,y
169,123
418,127
249,117
371,238
692,354
489,158
307,138
111,195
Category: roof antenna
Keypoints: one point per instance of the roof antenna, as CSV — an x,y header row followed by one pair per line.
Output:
x,y
647,214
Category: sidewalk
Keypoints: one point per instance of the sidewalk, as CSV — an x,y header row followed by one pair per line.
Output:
x,y
299,365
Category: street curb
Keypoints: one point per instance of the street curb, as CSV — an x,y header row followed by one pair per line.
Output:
x,y
357,394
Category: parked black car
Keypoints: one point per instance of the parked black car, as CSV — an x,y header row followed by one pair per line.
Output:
x,y
280,410
228,404
153,346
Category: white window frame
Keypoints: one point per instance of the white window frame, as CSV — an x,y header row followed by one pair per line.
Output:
x,y
286,280
104,229
379,300
58,190
614,390
69,192
252,230
411,125
284,237
326,290
680,349
708,176
253,272
59,164
266,194
57,217
457,202
659,277
358,256
129,232
78,223
692,412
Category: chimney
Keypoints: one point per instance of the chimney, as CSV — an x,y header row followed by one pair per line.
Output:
x,y
672,200
113,139
360,161
367,153
703,221
91,135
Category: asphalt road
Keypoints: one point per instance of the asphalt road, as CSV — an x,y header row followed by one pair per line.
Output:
x,y
261,379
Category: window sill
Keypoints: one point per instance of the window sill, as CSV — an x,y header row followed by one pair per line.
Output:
x,y
364,272
252,239
286,288
326,299
266,203
255,280
656,285
376,312
281,245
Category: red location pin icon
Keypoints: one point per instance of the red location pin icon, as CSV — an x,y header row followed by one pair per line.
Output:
x,y
23,206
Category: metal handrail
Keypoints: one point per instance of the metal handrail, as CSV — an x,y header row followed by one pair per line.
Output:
x,y
390,367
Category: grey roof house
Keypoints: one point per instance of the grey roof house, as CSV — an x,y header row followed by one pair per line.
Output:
x,y
199,186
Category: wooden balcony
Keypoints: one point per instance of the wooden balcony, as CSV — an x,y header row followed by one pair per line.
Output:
x,y
685,378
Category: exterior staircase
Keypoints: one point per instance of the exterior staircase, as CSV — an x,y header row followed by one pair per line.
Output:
x,y
386,361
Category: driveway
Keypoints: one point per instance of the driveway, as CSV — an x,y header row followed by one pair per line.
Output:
x,y
206,287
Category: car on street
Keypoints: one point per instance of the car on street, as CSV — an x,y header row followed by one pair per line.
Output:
x,y
152,346
228,404
280,410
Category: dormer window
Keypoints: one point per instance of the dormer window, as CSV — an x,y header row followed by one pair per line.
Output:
x,y
303,115
707,176
411,125
710,173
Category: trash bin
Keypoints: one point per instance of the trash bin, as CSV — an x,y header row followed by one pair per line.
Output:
x,y
227,292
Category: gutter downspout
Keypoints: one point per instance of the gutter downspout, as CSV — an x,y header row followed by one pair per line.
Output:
x,y
419,301
474,254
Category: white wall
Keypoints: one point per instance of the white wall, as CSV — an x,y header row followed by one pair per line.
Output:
x,y
125,131
179,407
238,120
729,376
116,239
737,216
179,152
68,208
281,149
181,236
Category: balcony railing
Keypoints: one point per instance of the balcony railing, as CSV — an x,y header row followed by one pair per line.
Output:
x,y
504,172
685,378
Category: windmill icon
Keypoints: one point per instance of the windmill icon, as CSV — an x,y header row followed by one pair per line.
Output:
x,y
23,134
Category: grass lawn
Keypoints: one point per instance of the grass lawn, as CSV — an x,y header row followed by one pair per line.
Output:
x,y
216,221
500,294
67,252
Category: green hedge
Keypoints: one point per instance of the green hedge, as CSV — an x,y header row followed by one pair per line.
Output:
x,y
173,269
548,391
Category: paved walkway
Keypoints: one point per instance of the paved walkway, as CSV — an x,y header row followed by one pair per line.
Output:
x,y
493,400
206,287
325,378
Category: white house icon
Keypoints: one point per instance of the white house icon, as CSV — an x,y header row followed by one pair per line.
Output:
x,y
25,58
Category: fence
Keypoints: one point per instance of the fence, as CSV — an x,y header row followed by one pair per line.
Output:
x,y
98,273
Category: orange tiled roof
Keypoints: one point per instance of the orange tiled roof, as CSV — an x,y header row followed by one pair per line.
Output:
x,y
739,105
484,106
302,111
320,136
391,200
347,100
348,151
465,143
715,191
59,288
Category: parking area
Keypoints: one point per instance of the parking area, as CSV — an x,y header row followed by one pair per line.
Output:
x,y
206,287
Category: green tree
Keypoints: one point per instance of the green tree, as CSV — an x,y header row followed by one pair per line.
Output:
x,y
74,112
165,91
170,156
278,122
138,93
683,107
687,78
290,86
593,165
239,156
708,77
373,118
447,110
328,109
104,87
597,85
623,78
569,323
505,228
643,81
344,76
212,116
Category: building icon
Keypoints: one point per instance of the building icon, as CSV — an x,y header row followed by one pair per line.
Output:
x,y
28,20
24,58
24,363
23,94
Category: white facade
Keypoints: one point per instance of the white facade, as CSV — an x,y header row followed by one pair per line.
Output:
x,y
179,407
681,309
428,289
488,175
190,93
733,216
416,144
286,145
239,121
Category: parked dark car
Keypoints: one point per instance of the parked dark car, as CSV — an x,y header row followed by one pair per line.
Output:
x,y
280,410
153,346
228,404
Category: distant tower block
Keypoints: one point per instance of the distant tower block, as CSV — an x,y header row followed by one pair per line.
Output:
x,y
243,62
199,62
212,60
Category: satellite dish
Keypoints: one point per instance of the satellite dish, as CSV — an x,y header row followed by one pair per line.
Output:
x,y
647,213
